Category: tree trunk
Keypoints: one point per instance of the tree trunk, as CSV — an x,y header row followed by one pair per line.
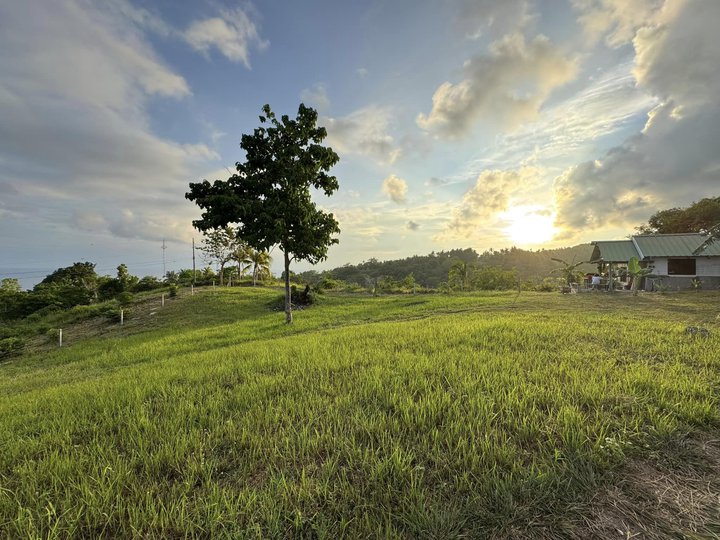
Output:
x,y
288,300
255,273
222,271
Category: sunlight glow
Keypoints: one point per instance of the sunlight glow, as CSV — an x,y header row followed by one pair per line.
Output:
x,y
529,225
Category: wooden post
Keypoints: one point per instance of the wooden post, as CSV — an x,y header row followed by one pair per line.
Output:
x,y
60,338
213,284
122,317
192,290
162,300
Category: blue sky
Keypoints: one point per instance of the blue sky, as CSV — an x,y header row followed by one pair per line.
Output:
x,y
459,123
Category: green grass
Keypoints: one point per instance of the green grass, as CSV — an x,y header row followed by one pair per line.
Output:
x,y
412,416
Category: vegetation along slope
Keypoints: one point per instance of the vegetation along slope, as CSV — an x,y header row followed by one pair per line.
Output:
x,y
437,416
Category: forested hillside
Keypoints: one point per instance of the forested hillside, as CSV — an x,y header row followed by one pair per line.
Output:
x,y
431,270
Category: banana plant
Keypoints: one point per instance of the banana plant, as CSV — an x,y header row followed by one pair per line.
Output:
x,y
568,271
637,273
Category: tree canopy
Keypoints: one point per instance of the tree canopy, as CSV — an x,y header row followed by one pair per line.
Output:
x,y
700,217
269,197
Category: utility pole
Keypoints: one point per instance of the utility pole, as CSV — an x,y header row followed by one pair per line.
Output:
x,y
163,248
193,244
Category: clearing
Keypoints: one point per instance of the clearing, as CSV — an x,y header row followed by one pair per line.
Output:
x,y
428,416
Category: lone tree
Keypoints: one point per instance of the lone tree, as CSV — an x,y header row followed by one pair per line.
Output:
x,y
269,197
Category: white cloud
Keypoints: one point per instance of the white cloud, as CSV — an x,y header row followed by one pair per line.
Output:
x,y
75,133
233,33
505,88
674,160
364,132
610,103
316,97
617,20
395,188
489,196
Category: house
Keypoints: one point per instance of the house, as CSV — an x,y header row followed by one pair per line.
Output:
x,y
675,260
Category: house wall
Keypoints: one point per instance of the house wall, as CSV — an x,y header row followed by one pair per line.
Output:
x,y
707,268
660,267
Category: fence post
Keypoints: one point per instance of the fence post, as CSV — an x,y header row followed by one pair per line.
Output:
x,y
213,284
162,300
122,317
192,290
60,338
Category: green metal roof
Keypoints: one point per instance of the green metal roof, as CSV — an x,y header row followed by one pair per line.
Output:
x,y
675,245
657,245
614,251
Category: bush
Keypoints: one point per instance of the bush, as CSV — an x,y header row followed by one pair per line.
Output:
x,y
172,290
11,346
125,298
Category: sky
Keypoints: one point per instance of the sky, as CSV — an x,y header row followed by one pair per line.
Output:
x,y
459,123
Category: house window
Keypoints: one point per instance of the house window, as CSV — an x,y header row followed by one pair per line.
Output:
x,y
681,267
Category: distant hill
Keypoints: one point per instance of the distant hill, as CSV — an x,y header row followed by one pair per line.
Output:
x,y
431,270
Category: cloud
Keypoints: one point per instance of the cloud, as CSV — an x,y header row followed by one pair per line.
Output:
x,y
396,188
412,225
364,132
617,20
476,17
505,88
610,103
233,33
489,196
674,159
361,72
316,97
75,133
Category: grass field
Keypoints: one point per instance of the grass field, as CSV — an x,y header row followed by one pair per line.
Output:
x,y
427,416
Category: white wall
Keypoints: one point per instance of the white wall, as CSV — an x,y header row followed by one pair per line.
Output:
x,y
660,267
708,266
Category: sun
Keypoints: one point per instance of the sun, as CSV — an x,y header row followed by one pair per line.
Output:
x,y
529,225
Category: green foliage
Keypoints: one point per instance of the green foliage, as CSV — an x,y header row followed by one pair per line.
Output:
x,y
9,286
173,290
637,272
125,298
269,197
433,269
490,278
569,270
11,346
222,245
459,274
701,216
147,283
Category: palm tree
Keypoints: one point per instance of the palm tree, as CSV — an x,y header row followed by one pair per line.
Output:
x,y
260,263
460,273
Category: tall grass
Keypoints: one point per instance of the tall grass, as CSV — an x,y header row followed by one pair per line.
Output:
x,y
417,416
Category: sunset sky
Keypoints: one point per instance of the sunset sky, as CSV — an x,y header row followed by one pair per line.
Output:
x,y
459,123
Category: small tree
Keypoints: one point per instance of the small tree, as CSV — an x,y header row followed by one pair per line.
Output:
x,y
221,244
269,197
259,262
459,274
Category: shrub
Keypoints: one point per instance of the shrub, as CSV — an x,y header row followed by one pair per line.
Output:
x,y
11,346
125,298
172,290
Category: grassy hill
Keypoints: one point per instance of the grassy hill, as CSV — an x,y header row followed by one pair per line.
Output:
x,y
430,416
